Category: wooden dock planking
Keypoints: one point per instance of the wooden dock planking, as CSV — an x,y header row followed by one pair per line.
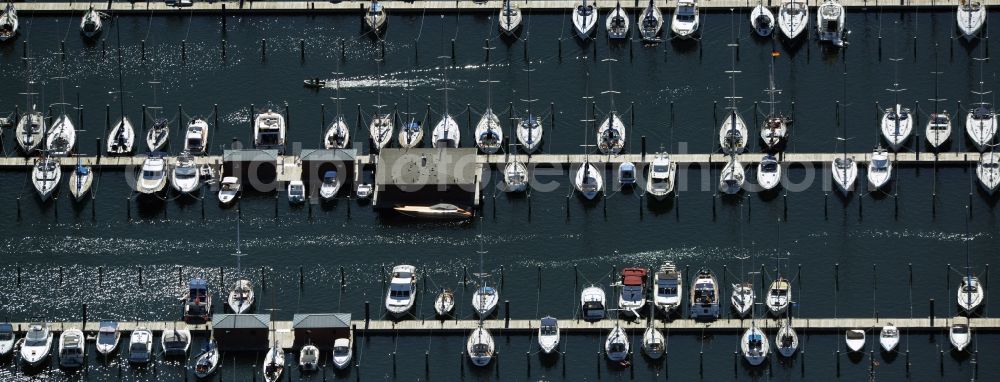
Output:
x,y
393,6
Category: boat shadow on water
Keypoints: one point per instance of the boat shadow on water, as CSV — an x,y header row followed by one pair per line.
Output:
x,y
660,207
856,356
889,357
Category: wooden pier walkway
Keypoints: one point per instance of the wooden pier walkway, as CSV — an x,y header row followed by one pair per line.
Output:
x,y
401,6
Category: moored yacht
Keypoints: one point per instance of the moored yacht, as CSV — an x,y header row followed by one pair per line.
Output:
x,y
381,129
484,300
617,23
879,169
309,358
489,134
611,135
515,176
480,346
274,363
938,129
207,362
71,349
330,186
669,288
762,20
616,346
153,176
158,135
185,176
793,18
444,304
981,125
90,24
108,336
589,182
970,17
529,133
830,22
402,290
446,133
845,172
37,344
743,299
855,339
411,134
197,301
650,23
229,191
342,353
548,334
30,131
988,171
960,336
970,294
61,138
241,297
45,176
8,22
768,173
80,180
269,130
732,178
754,345
888,337
704,296
375,17
653,343
593,303
633,295
196,138
121,139
779,296
140,346
510,18
685,20
787,341
896,126
175,342
585,19
337,135
296,192
660,177
7,339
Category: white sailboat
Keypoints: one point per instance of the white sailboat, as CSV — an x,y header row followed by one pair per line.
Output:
x,y
45,176
241,297
733,131
489,132
585,19
30,131
62,137
90,23
686,19
375,17
960,336
617,23
589,181
879,169
855,339
742,299
768,173
611,132
274,364
732,178
704,296
651,23
71,349
8,22
207,362
510,18
158,135
779,296
616,346
446,133
754,345
529,129
981,121
480,346
484,300
653,343
787,341
830,22
593,305
888,337
121,140
775,127
845,172
548,334
897,121
970,294
970,17
793,18
669,286
515,176
411,134
80,180
337,135
382,125
402,291
939,123
762,20
660,176
988,171
444,304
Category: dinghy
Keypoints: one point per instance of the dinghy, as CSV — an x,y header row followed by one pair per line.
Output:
x,y
669,288
402,293
651,23
337,136
855,339
879,169
592,303
185,176
90,24
588,181
121,139
830,22
309,358
762,20
510,18
196,138
686,19
158,135
548,334
793,17
71,349
30,131
8,22
585,19
768,173
241,297
108,336
444,304
207,362
175,342
754,346
61,138
970,17
140,346
988,171
45,177
616,346
888,337
342,353
617,23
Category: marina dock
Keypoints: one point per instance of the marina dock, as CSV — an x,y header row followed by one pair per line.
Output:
x,y
420,6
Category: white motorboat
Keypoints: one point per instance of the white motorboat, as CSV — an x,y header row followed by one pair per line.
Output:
x,y
7,339
296,192
108,336
196,138
61,138
960,336
548,334
337,135
484,300
140,346
30,131
121,139
269,130
970,17
444,211
45,176
8,22
653,343
175,342
375,17
938,129
742,299
411,134
981,125
830,22
197,301
90,24
762,20
896,126
669,288
529,133
330,186
229,190
158,135
793,18
768,173
879,169
845,173
153,177
660,178
480,346
732,178
585,19
754,346
274,364
855,339
704,298
616,346
207,362
626,174
611,135
71,349
779,296
402,290
510,18
988,171
786,340
589,182
381,129
185,177
446,133
309,358
515,176
617,23
241,297
633,294
80,180
686,19
37,344
888,337
444,304
650,23
593,303
342,353
489,134
970,294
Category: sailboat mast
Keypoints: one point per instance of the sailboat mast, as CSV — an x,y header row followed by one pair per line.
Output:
x,y
121,82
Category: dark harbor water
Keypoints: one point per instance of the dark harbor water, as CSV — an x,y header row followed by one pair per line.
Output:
x,y
850,257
